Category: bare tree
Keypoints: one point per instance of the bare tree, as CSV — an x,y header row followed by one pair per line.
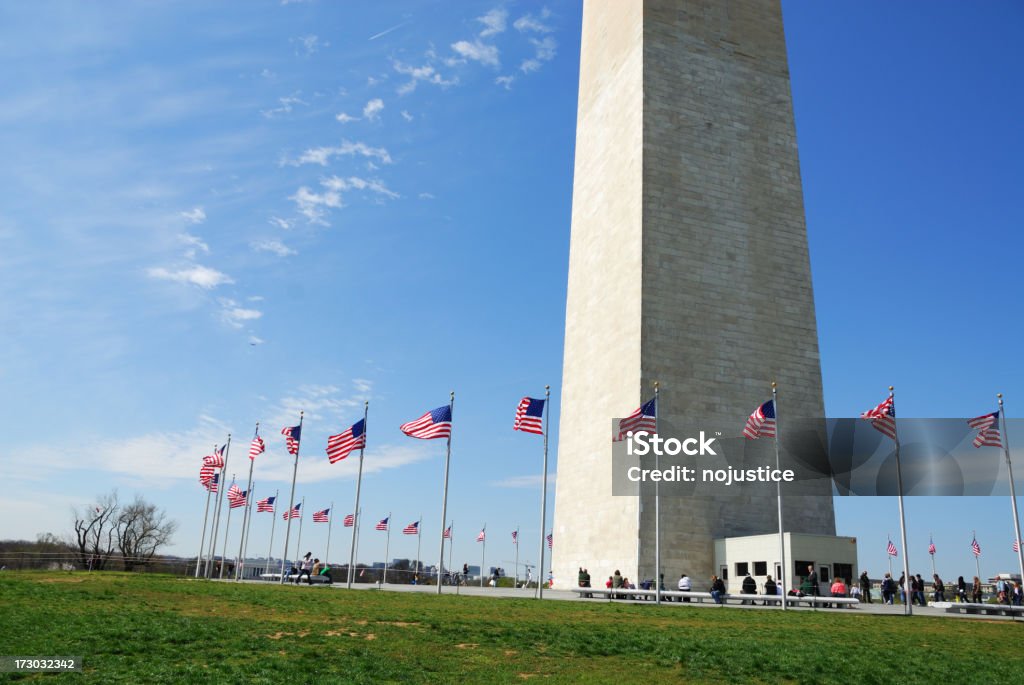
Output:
x,y
141,530
95,531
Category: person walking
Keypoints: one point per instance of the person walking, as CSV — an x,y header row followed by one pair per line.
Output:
x,y
939,587
888,589
919,590
812,581
865,587
961,589
976,591
306,567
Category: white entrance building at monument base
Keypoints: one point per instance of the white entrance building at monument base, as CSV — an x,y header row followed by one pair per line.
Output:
x,y
831,555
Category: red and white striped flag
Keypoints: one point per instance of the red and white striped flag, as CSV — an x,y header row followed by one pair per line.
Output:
x,y
205,474
266,504
530,416
412,529
1016,546
436,423
988,430
240,498
216,459
350,520
643,419
931,547
482,536
761,423
447,534
891,549
341,445
256,447
551,540
321,516
975,547
515,537
382,524
292,436
292,513
883,417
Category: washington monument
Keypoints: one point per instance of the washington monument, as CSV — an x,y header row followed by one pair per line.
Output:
x,y
688,266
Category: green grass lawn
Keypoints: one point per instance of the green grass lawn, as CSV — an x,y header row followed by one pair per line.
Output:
x,y
161,629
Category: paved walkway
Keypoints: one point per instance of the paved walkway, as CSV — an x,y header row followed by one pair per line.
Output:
x,y
565,595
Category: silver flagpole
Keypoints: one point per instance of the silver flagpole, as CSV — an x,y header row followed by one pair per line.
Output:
x,y
483,550
330,524
245,514
387,549
932,555
359,483
908,606
657,505
778,494
227,530
419,532
291,500
544,494
202,540
273,522
220,503
1013,492
977,557
219,476
444,498
298,540
246,523
516,584
451,546
890,557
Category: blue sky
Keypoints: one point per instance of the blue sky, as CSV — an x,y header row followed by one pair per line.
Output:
x,y
211,216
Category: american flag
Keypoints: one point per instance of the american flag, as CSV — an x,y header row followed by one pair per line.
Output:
x,y
321,516
382,524
266,505
891,549
482,536
515,537
447,534
341,445
205,474
1016,546
761,424
643,419
551,540
239,499
412,529
292,435
216,459
529,416
883,418
234,492
349,521
975,547
212,485
988,430
292,513
931,547
256,447
433,424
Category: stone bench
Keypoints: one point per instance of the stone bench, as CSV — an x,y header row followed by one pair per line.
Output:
x,y
276,577
984,609
680,596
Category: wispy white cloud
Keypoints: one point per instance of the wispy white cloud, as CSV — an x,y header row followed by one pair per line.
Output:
x,y
195,215
373,109
194,243
505,81
406,115
426,73
236,316
362,385
426,196
477,51
201,276
286,224
314,206
308,45
528,23
256,340
334,183
523,481
323,155
345,118
274,246
494,22
544,52
287,105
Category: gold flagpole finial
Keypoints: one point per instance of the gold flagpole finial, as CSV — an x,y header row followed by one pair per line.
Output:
x,y
655,386
890,388
774,385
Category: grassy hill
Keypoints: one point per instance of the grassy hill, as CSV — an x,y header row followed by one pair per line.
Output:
x,y
161,629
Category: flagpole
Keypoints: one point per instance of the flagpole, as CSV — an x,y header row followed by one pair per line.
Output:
x,y
273,522
220,503
359,483
330,524
451,546
516,584
387,549
1013,491
419,532
544,494
202,540
227,530
657,504
444,498
219,480
890,556
977,557
931,554
246,523
483,550
358,525
248,491
291,499
298,540
778,496
908,606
